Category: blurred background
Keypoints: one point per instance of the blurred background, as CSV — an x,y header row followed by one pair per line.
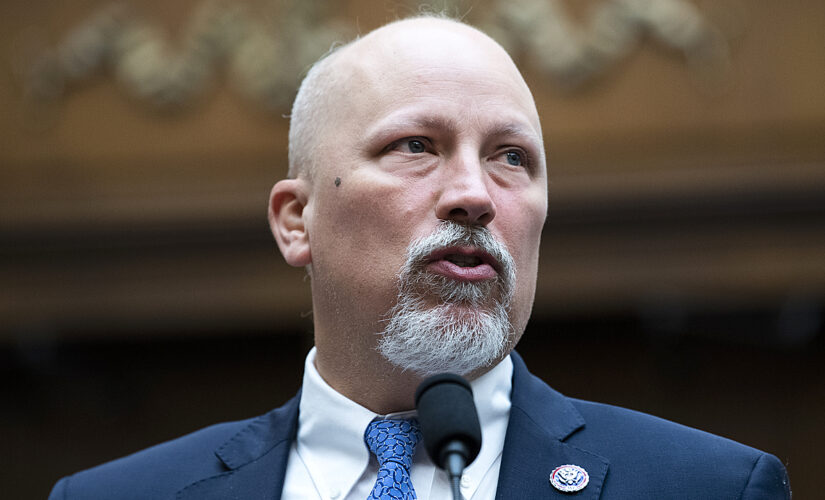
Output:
x,y
683,263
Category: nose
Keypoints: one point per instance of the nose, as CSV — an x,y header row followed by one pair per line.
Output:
x,y
465,197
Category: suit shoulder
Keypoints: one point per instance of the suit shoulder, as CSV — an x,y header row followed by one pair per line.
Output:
x,y
646,456
155,472
636,442
626,426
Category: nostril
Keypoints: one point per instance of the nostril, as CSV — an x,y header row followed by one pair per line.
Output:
x,y
485,219
465,205
462,215
459,213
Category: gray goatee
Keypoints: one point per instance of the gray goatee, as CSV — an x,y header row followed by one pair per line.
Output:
x,y
442,325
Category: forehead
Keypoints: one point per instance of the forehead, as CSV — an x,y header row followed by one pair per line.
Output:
x,y
441,69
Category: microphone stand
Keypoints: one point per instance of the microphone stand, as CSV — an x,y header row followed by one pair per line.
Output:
x,y
449,423
455,454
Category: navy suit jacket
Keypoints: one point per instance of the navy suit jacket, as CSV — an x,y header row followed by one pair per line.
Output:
x,y
628,455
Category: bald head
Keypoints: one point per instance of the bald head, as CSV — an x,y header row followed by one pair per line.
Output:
x,y
370,69
419,126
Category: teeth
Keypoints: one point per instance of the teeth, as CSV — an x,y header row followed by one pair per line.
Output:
x,y
464,260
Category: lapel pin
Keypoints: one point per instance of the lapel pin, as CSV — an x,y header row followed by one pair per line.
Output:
x,y
569,478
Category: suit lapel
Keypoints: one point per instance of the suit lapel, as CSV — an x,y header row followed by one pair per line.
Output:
x,y
540,420
255,457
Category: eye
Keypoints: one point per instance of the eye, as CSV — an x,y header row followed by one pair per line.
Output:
x,y
514,158
410,150
413,145
416,146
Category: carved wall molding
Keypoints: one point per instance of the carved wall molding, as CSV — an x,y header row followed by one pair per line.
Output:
x,y
264,60
574,53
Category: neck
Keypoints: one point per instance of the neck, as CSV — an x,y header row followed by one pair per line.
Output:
x,y
368,380
365,377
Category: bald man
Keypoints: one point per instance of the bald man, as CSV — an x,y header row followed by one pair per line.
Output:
x,y
416,197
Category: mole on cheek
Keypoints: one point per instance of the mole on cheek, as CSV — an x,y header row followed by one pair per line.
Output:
x,y
337,181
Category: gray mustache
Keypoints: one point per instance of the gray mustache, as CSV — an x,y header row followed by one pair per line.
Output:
x,y
448,234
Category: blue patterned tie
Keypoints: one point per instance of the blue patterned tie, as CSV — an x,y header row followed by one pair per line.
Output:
x,y
393,443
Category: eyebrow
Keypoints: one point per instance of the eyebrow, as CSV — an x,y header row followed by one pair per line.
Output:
x,y
514,129
391,125
436,122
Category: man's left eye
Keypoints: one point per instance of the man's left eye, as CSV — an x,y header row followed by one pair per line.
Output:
x,y
514,158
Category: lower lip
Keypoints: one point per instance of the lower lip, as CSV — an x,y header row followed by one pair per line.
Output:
x,y
476,273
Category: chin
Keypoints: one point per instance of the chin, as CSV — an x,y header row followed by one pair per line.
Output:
x,y
452,337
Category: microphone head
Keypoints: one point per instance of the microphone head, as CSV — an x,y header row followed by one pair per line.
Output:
x,y
446,414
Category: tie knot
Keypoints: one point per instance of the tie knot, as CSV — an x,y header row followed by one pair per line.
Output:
x,y
393,440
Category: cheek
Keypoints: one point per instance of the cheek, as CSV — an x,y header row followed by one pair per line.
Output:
x,y
364,227
521,219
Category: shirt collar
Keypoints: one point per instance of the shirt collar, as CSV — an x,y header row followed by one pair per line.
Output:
x,y
491,393
331,427
330,433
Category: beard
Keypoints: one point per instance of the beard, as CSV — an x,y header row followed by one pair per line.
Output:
x,y
468,327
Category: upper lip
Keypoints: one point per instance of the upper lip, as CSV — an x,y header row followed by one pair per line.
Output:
x,y
484,256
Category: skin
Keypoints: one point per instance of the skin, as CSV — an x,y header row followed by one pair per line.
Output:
x,y
429,123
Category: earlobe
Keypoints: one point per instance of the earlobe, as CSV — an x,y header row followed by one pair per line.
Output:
x,y
286,220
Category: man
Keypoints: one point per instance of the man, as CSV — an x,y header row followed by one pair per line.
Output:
x,y
416,198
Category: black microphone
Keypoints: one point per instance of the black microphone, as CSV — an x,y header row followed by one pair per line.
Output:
x,y
449,424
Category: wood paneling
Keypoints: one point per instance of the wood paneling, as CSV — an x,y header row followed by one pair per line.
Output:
x,y
111,212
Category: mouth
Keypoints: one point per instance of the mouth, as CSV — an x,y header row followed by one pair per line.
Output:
x,y
464,264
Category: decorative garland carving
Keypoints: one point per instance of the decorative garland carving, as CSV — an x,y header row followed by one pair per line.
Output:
x,y
265,60
559,48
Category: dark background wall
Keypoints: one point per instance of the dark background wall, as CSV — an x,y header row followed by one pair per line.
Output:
x,y
682,269
72,405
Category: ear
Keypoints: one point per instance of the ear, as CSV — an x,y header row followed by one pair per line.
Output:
x,y
286,220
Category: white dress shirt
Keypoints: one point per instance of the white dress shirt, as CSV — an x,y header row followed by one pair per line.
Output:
x,y
330,461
